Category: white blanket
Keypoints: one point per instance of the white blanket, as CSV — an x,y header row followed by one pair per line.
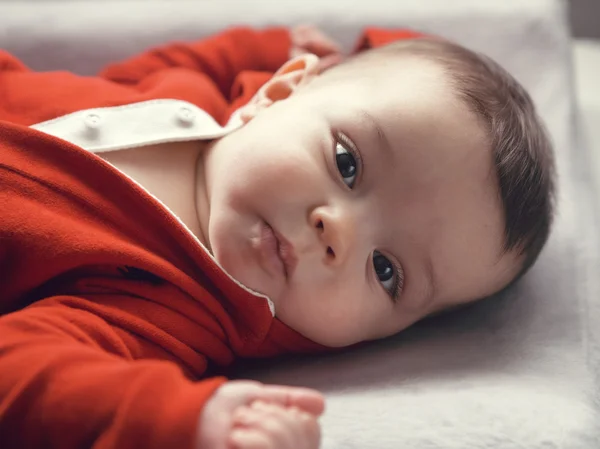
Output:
x,y
520,371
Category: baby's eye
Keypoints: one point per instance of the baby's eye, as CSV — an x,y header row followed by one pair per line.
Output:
x,y
346,164
388,273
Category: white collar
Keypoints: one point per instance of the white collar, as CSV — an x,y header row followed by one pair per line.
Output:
x,y
145,123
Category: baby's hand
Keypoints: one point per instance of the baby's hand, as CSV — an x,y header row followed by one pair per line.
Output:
x,y
250,415
310,39
265,425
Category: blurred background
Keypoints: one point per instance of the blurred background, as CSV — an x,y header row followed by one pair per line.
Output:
x,y
585,18
585,25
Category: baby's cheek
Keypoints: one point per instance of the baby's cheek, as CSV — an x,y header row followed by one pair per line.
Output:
x,y
334,313
282,175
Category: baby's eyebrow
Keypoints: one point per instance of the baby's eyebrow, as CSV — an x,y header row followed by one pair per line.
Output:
x,y
384,143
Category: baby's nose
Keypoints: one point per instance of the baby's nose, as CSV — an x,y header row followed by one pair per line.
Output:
x,y
334,233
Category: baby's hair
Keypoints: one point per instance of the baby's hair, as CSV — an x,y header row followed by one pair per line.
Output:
x,y
521,148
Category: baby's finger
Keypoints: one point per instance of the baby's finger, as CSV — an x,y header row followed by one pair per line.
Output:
x,y
249,439
288,416
244,417
311,39
289,427
273,419
321,47
317,42
329,61
306,399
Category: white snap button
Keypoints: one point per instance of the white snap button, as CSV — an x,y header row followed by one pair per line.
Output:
x,y
93,121
186,115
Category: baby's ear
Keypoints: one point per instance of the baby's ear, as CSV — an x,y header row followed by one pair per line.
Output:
x,y
285,81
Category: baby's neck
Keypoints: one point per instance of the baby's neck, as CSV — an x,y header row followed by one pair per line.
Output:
x,y
173,173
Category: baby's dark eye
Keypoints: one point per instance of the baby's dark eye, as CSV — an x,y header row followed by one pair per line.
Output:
x,y
346,164
387,273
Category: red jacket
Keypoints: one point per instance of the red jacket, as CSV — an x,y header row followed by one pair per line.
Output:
x,y
111,309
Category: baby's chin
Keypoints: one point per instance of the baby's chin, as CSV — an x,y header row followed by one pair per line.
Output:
x,y
244,272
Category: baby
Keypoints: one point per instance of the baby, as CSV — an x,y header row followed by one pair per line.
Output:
x,y
206,209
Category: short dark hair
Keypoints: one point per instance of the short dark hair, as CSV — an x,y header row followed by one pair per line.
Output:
x,y
521,148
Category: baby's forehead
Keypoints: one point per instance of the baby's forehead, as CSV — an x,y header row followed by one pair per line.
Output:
x,y
389,82
411,100
383,60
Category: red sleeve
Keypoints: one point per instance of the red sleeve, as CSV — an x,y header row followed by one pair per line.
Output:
x,y
222,57
69,380
8,63
373,37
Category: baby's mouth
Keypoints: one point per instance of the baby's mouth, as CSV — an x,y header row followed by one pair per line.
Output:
x,y
285,251
287,254
273,251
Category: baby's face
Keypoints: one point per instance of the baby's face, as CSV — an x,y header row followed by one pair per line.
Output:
x,y
383,184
